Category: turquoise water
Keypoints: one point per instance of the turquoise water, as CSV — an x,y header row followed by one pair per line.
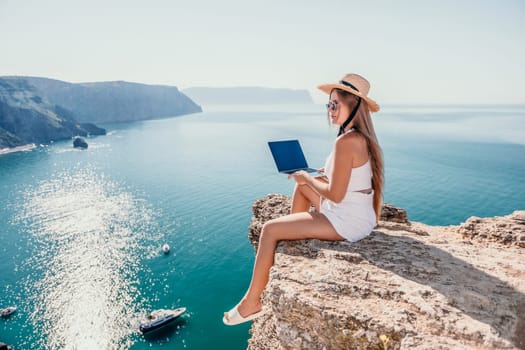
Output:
x,y
81,231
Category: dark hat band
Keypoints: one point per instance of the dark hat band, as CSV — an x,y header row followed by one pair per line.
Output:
x,y
349,85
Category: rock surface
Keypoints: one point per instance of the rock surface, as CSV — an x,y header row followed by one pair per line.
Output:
x,y
507,230
114,101
79,142
26,118
406,286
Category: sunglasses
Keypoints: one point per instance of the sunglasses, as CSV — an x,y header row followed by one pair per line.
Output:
x,y
332,106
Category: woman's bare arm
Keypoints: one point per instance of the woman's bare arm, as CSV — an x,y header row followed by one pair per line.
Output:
x,y
343,161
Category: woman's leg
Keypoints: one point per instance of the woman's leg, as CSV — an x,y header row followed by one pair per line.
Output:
x,y
289,227
303,197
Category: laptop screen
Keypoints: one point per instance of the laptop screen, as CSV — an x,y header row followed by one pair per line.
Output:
x,y
288,155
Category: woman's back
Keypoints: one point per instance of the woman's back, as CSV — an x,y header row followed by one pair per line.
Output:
x,y
360,177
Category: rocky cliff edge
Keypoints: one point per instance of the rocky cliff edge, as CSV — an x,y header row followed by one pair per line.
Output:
x,y
406,286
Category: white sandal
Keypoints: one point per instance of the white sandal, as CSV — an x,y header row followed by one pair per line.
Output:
x,y
235,318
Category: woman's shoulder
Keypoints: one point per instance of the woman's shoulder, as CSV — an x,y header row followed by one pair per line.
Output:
x,y
351,139
351,143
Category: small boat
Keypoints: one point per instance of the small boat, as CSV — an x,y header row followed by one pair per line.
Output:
x,y
8,311
166,248
4,346
160,318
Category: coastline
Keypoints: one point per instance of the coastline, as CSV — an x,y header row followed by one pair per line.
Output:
x,y
22,148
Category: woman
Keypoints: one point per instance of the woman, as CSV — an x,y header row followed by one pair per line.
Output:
x,y
347,201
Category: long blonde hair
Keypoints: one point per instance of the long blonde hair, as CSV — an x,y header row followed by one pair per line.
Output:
x,y
363,124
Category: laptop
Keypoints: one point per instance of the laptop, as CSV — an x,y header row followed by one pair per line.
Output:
x,y
289,157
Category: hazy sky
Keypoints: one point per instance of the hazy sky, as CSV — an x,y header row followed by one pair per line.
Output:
x,y
435,51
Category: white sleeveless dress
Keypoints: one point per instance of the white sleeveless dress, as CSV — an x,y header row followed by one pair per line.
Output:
x,y
354,217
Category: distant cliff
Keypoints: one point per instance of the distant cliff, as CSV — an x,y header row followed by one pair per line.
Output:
x,y
116,101
247,95
406,286
27,118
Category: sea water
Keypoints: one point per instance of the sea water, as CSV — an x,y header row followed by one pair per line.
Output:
x,y
81,231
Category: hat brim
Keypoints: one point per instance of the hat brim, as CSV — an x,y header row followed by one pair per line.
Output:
x,y
327,88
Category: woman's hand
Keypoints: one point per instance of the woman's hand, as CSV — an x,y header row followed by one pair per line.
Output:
x,y
322,177
301,177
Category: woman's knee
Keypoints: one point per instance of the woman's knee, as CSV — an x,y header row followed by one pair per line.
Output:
x,y
301,188
269,231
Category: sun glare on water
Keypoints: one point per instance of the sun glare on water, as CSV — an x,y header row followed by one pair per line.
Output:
x,y
88,236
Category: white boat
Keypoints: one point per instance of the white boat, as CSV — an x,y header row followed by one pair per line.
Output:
x,y
160,318
4,346
8,311
166,248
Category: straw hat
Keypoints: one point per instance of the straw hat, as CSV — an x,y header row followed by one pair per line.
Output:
x,y
354,84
